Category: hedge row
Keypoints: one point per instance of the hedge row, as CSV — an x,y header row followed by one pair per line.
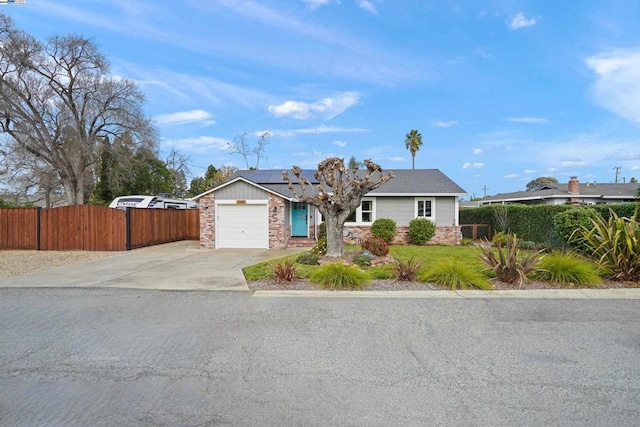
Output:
x,y
531,222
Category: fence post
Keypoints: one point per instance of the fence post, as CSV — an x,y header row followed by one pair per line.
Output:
x,y
128,229
38,210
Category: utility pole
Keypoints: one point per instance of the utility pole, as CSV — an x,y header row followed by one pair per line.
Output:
x,y
484,191
617,168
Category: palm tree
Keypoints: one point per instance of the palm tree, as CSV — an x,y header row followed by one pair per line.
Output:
x,y
413,142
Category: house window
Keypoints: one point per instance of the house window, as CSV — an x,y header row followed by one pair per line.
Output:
x,y
425,208
364,213
366,208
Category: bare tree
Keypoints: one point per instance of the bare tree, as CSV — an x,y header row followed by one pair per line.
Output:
x,y
338,193
57,103
241,146
32,180
177,164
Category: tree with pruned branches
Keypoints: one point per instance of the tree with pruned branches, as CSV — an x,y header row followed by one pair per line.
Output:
x,y
338,193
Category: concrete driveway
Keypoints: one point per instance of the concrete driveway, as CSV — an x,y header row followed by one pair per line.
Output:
x,y
172,266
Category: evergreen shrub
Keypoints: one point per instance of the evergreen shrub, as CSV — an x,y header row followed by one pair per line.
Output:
x,y
384,228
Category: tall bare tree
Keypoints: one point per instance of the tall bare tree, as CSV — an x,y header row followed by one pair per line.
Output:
x,y
58,102
241,146
338,193
31,180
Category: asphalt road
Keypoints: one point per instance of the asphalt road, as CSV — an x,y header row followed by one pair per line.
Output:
x,y
119,357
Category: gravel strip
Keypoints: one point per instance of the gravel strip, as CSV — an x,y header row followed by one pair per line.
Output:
x,y
15,263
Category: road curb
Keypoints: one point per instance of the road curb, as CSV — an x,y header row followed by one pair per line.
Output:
x,y
630,294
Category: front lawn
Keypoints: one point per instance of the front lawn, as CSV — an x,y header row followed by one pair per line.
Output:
x,y
428,255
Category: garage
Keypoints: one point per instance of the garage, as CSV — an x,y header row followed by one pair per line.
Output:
x,y
242,226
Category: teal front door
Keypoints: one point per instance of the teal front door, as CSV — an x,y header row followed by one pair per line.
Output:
x,y
299,220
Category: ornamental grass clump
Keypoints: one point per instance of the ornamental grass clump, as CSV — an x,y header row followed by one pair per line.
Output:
x,y
339,276
453,275
614,244
508,265
406,271
567,269
284,271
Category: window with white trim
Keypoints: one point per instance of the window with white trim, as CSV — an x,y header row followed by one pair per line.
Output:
x,y
425,208
364,214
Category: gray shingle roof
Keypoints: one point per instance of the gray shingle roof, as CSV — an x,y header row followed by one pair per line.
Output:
x,y
406,182
605,191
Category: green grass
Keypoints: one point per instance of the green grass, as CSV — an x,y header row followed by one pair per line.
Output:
x,y
568,269
453,274
264,270
337,276
466,256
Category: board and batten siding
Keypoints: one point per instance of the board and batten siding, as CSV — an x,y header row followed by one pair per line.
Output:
x,y
403,209
241,191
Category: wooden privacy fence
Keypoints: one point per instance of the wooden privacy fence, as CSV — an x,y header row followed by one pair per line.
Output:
x,y
18,228
95,228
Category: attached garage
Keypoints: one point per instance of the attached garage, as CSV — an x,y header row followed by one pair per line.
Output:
x,y
243,225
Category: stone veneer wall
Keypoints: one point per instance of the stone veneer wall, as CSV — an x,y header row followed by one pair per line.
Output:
x,y
449,235
279,232
207,209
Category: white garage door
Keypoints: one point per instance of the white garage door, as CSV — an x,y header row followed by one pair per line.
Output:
x,y
242,226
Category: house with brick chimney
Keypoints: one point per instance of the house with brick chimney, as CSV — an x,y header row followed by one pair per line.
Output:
x,y
573,193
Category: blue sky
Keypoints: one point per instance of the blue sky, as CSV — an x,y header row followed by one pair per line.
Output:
x,y
502,91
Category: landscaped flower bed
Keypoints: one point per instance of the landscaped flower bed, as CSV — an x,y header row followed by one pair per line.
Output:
x,y
382,277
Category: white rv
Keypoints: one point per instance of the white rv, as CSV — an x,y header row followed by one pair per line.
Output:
x,y
156,202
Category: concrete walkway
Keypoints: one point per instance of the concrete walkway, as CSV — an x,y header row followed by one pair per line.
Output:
x,y
172,266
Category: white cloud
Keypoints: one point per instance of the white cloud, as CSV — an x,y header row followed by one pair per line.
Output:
x,y
511,176
477,151
201,144
368,6
476,165
534,120
520,21
314,153
314,4
441,124
327,108
398,159
184,117
193,88
572,163
618,85
635,168
530,171
340,144
317,130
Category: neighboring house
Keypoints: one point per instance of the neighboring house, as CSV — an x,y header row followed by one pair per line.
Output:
x,y
590,193
256,209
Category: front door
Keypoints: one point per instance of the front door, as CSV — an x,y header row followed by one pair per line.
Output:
x,y
299,220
